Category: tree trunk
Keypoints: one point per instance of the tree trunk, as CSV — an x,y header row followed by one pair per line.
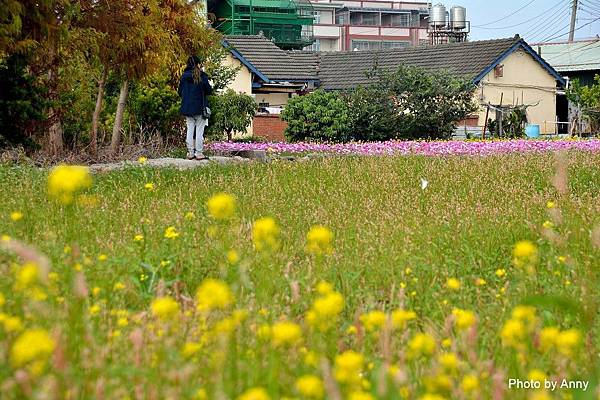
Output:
x,y
54,141
55,134
97,111
116,133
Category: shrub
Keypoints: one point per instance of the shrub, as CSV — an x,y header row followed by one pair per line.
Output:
x,y
321,116
231,112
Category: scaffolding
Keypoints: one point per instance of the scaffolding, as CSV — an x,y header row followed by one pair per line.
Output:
x,y
289,23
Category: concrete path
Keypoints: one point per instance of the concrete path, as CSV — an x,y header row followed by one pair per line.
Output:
x,y
178,163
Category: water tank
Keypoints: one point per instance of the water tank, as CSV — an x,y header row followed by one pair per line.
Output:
x,y
458,18
437,16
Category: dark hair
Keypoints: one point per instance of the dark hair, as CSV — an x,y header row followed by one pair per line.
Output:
x,y
194,63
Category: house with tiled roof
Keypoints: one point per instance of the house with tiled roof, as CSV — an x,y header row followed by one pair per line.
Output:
x,y
507,72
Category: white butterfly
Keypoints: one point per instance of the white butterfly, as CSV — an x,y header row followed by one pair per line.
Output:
x,y
424,184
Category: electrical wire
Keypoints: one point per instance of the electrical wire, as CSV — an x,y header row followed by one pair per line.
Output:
x,y
574,30
590,5
509,15
550,23
521,23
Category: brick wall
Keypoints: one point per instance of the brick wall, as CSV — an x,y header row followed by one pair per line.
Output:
x,y
269,126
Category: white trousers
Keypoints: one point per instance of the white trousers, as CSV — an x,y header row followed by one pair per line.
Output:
x,y
195,124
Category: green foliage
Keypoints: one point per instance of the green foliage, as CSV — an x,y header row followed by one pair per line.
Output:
x,y
587,98
155,106
320,115
231,112
407,103
21,102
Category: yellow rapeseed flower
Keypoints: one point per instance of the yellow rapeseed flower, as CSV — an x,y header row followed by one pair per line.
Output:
x,y
525,255
422,344
221,206
348,367
94,309
171,233
118,286
480,282
325,311
550,204
537,376
102,257
31,345
448,361
11,323
373,321
213,294
401,317
138,238
256,393
500,272
2,299
568,341
319,240
189,215
233,257
463,319
142,160
265,234
310,386
165,308
27,276
190,349
548,224
149,186
548,338
360,395
16,216
470,383
513,333
526,314
453,284
285,333
324,288
65,181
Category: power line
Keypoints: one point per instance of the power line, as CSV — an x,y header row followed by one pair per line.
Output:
x,y
509,15
521,23
550,23
574,30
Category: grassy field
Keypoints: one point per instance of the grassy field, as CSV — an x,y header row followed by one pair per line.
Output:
x,y
491,272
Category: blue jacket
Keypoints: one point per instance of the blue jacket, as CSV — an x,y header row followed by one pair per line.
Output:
x,y
193,95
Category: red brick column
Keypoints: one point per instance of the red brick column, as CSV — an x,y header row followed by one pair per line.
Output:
x,y
269,126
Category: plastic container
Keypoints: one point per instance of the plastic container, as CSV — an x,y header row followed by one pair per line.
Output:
x,y
532,131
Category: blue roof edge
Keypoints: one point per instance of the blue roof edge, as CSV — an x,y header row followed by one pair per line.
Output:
x,y
523,45
244,61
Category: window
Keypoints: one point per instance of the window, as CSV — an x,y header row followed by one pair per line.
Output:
x,y
395,44
370,19
377,45
317,17
499,71
340,19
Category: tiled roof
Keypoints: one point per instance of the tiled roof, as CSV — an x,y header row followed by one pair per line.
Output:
x,y
346,70
582,55
273,62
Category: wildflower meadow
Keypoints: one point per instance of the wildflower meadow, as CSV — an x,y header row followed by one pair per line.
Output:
x,y
389,277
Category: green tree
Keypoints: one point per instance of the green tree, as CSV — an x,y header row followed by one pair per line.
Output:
x,y
320,115
231,112
587,99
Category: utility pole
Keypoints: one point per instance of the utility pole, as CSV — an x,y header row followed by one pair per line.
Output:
x,y
573,19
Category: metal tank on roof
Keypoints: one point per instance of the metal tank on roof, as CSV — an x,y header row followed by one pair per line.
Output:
x,y
437,17
458,18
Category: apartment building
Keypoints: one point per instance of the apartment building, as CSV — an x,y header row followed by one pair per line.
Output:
x,y
343,25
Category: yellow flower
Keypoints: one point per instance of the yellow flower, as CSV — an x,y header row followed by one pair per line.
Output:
x,y
256,393
31,345
310,386
453,284
149,186
526,314
469,384
102,257
122,322
221,206
11,323
118,286
431,396
171,233
5,238
373,321
265,234
94,309
2,300
96,291
401,317
351,330
422,344
190,349
568,341
16,216
324,288
446,343
64,181
525,255
513,333
138,238
285,333
189,216
27,276
448,361
200,394
463,319
233,257
213,294
537,376
165,308
548,338
500,272
319,240
360,395
142,160
480,282
325,310
348,367
548,224
550,204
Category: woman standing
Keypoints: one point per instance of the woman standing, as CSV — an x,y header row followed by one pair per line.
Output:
x,y
193,90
